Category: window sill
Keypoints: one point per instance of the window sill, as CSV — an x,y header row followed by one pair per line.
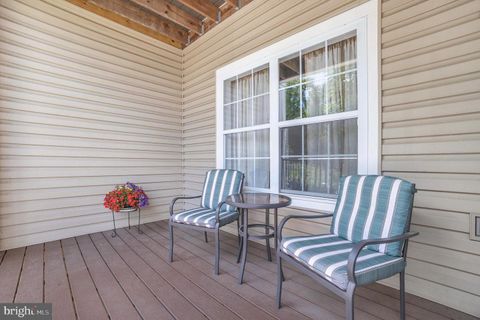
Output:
x,y
312,203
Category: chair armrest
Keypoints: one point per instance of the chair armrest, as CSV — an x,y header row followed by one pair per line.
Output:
x,y
294,216
217,212
357,248
172,204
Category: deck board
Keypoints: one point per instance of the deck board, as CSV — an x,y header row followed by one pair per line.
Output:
x,y
57,287
214,289
129,277
85,296
145,301
10,272
173,300
30,286
116,302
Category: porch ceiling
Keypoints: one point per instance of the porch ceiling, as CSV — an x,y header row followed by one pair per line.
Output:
x,y
176,22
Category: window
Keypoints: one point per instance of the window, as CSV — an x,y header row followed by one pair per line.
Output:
x,y
298,115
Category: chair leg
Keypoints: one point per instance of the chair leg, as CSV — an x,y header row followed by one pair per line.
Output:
x,y
402,295
170,242
217,251
279,281
349,301
206,237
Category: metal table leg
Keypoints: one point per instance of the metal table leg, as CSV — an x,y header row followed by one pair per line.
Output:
x,y
245,244
267,241
275,218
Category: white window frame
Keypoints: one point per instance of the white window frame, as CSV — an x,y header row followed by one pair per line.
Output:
x,y
364,19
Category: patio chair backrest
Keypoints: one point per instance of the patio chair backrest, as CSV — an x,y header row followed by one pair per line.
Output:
x,y
372,207
220,183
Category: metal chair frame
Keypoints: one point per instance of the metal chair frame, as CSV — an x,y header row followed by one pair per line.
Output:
x,y
215,229
348,293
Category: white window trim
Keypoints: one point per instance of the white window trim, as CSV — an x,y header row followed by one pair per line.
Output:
x,y
364,18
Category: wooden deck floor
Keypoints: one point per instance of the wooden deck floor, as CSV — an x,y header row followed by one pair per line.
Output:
x,y
128,277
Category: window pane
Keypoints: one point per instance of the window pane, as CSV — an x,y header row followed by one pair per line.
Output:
x,y
338,168
230,90
289,102
314,98
342,54
316,176
313,63
245,86
261,81
262,143
291,174
245,116
342,93
249,152
230,116
291,141
261,110
289,70
329,151
262,173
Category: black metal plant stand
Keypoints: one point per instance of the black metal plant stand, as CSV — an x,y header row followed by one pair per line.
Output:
x,y
128,211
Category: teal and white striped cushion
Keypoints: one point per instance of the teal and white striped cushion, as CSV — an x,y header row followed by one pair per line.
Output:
x,y
328,255
371,207
219,184
204,217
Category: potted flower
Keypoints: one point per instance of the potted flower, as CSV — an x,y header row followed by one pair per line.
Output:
x,y
127,198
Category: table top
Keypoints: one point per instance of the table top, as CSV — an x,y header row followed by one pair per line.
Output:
x,y
257,200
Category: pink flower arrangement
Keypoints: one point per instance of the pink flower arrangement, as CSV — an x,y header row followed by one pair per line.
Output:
x,y
125,196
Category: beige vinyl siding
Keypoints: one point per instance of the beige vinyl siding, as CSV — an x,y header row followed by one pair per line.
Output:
x,y
430,122
85,104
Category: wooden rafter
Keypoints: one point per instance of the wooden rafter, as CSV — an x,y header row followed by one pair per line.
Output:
x,y
135,17
176,22
203,7
233,3
173,13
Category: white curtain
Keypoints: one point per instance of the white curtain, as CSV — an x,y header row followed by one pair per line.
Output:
x,y
342,81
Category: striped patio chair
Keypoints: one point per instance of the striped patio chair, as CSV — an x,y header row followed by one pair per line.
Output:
x,y
212,213
367,241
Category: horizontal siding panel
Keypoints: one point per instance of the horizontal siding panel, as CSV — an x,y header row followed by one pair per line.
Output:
x,y
451,106
463,143
68,182
434,74
52,235
451,182
11,35
470,26
86,104
78,37
453,125
446,18
29,208
457,299
467,163
402,17
445,257
448,220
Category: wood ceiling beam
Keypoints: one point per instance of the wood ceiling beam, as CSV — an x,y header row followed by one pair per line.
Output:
x,y
203,7
137,18
172,13
233,3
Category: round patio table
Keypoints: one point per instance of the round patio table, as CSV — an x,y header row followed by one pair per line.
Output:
x,y
266,201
